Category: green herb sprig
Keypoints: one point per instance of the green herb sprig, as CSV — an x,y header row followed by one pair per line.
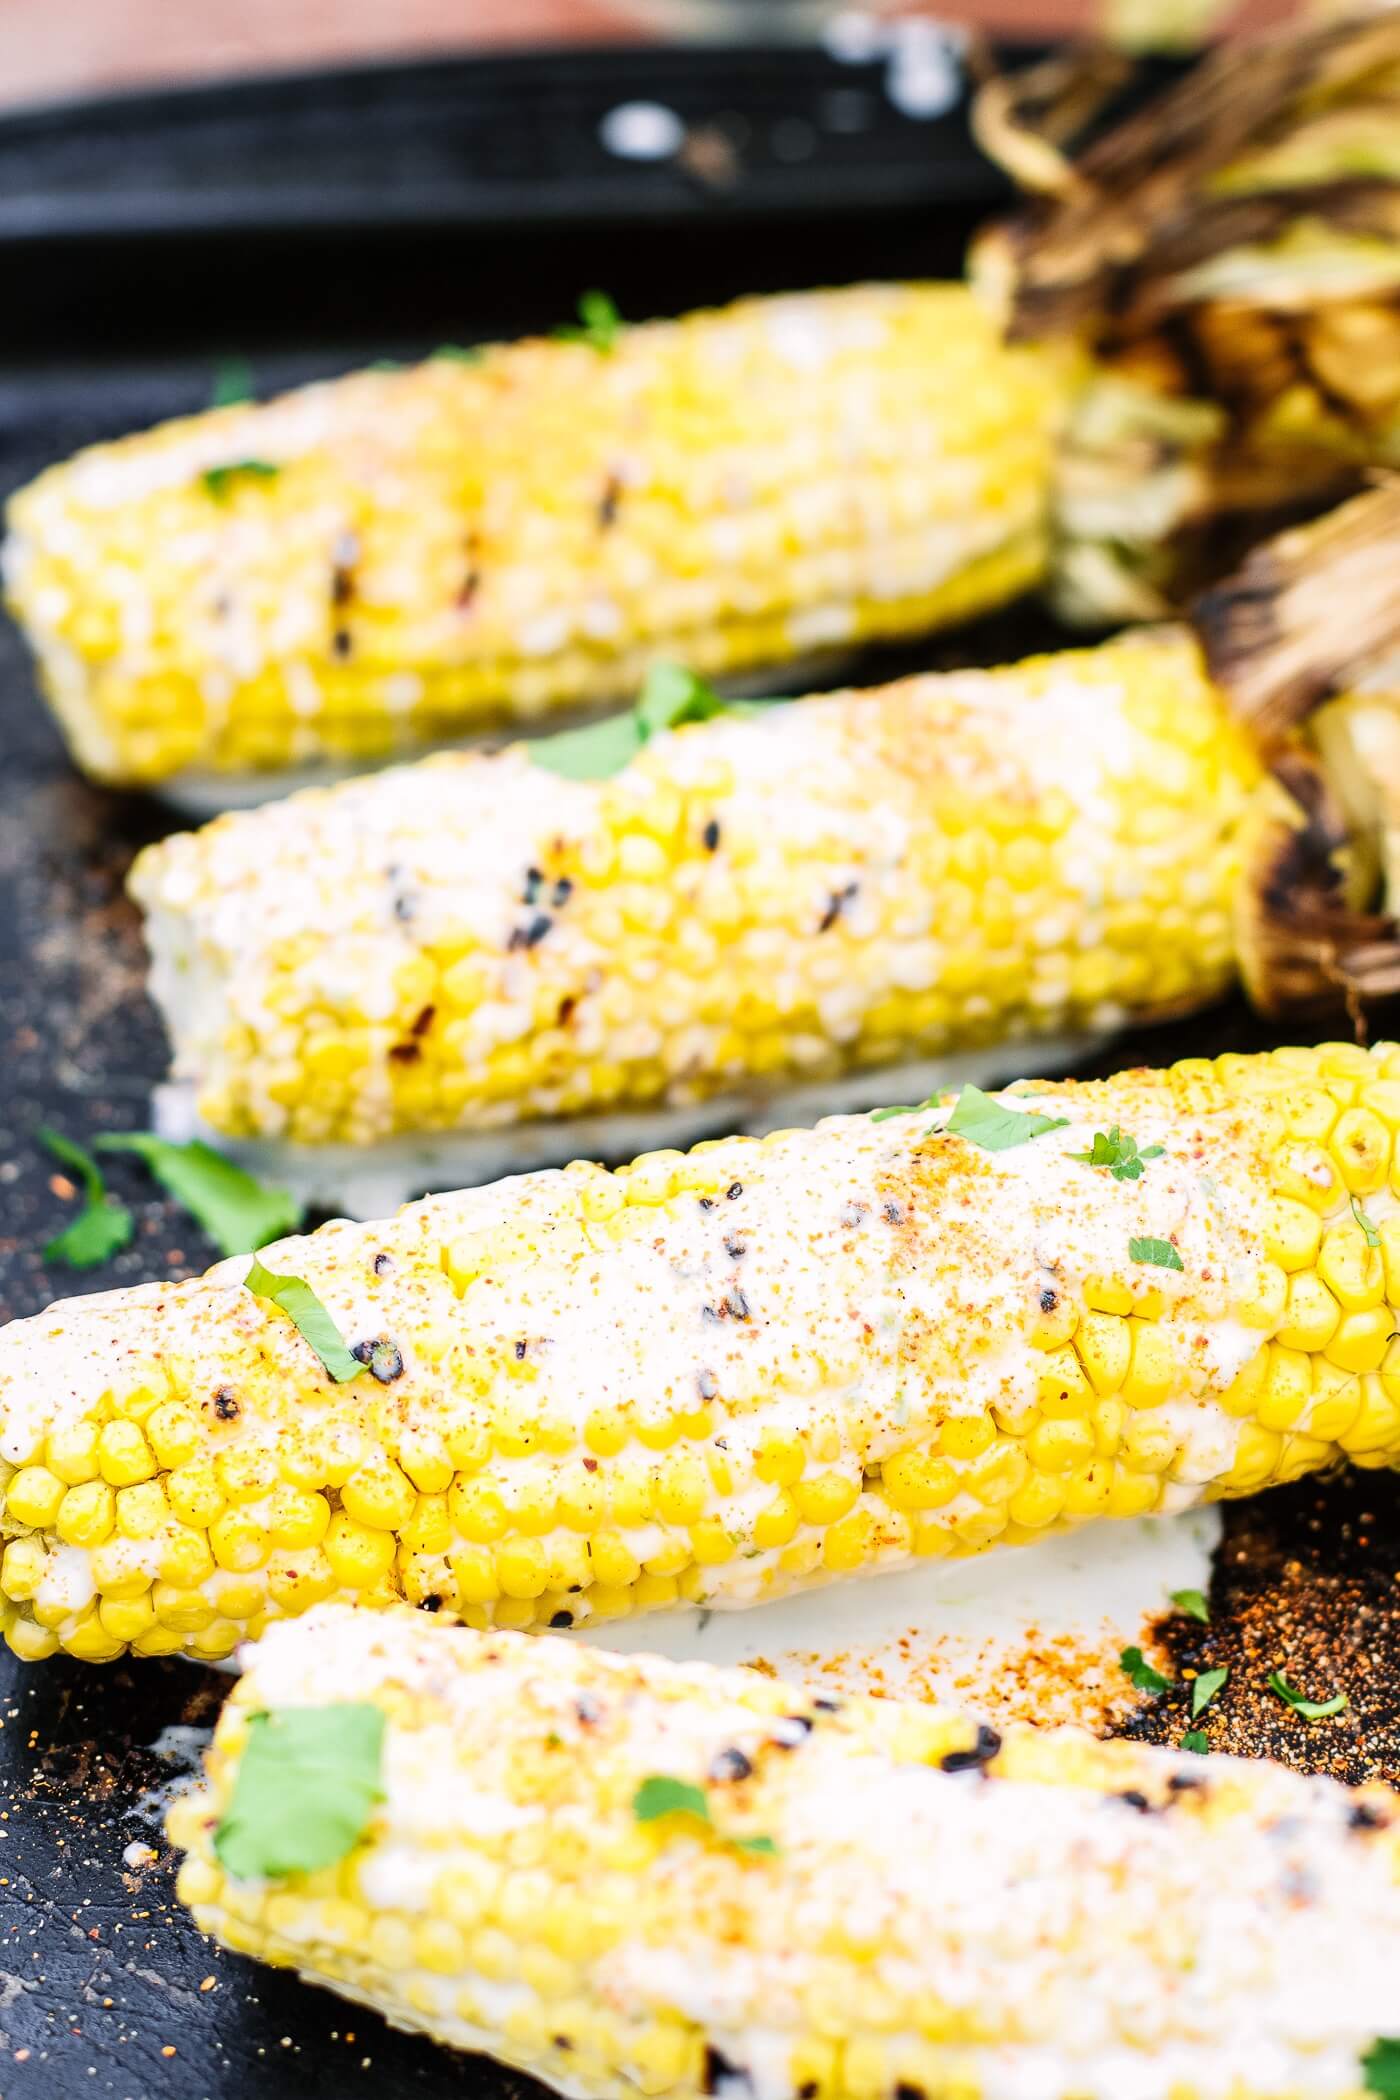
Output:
x,y
1140,1672
984,1122
1309,1709
102,1227
1369,1232
660,1795
1119,1154
1193,1604
307,1786
236,1211
219,482
671,698
1205,1687
1381,2065
599,324
310,1318
1159,1254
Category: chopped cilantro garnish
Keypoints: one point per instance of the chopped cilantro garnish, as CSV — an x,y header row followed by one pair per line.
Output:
x,y
220,480
671,698
1119,1154
1381,2064
661,1796
1160,1253
102,1227
1373,1238
599,323
1205,1687
1193,1604
459,353
306,1788
1195,1739
310,1318
236,1211
1141,1673
983,1121
1310,1709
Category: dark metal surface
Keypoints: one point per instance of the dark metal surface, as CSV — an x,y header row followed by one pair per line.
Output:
x,y
105,1987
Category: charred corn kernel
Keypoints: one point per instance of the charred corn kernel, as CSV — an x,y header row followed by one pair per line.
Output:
x,y
788,1428
686,997
691,508
34,1496
922,1994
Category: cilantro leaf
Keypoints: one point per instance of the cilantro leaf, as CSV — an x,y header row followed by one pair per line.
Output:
x,y
983,1121
1205,1687
310,1318
236,1211
671,697
1119,1154
458,353
599,324
233,382
1160,1253
219,481
1140,1672
1381,2063
306,1788
1193,1604
882,1115
660,1795
1195,1739
102,1227
1372,1237
1310,1709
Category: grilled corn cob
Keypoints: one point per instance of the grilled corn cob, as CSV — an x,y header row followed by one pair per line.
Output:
x,y
717,1377
863,1899
754,901
397,558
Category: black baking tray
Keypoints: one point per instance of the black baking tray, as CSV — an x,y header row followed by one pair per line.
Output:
x,y
128,272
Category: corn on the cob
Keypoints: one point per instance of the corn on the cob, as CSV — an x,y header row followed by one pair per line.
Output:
x,y
717,1377
397,558
866,1901
753,902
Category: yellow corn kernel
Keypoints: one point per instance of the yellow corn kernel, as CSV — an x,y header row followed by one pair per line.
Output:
x,y
295,1518
71,1452
1353,1271
1257,1455
379,1495
474,1572
194,1493
607,1431
1152,1368
780,1458
1262,1305
917,1479
90,1640
183,1610
1133,1494
1287,1391
86,1514
582,1501
1149,1444
966,1436
1336,1400
1087,1493
1062,1389
477,1510
123,1454
468,1446
612,1560
141,1511
681,1490
424,1457
710,1543
34,1495
184,1559
173,1434
1305,1174
522,1568
31,1643
239,1541
359,1556
1037,1503
23,1568
825,1497
1103,1344
849,1542
1054,1322
1108,1294
1108,1422
778,1522
1058,1447
1377,1423
246,1473
1311,1313
1360,1341
1292,1233
1361,1148
995,1477
126,1619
